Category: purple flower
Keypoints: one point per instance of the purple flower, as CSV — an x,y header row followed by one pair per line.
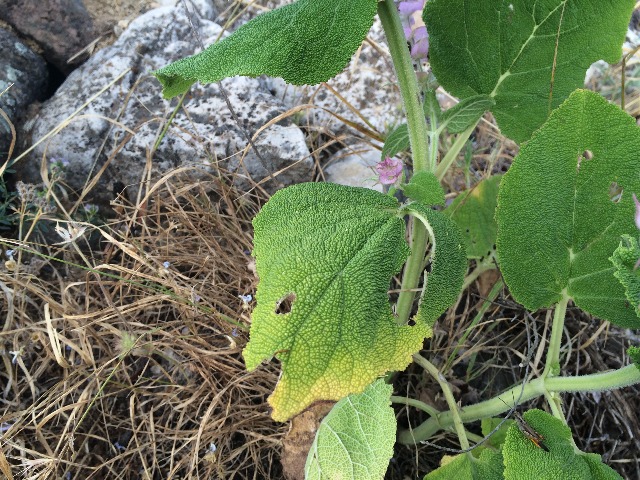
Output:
x,y
414,28
166,264
389,170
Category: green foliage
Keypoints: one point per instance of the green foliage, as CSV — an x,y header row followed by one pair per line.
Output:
x,y
306,42
425,188
528,56
466,467
396,142
497,439
524,460
625,259
355,440
473,211
558,221
634,354
443,283
331,251
466,113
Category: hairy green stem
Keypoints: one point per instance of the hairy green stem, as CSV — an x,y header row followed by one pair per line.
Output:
x,y
407,83
412,402
453,152
552,365
418,139
448,395
623,377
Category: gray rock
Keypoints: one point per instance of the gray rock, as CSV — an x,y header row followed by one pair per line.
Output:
x,y
62,28
354,166
116,132
24,76
367,84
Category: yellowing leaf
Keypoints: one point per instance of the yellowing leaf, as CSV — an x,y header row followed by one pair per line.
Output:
x,y
325,255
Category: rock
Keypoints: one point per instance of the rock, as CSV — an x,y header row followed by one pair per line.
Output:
x,y
367,85
117,131
62,28
19,66
354,166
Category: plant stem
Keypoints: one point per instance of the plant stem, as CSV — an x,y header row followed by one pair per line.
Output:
x,y
481,267
453,152
418,139
623,377
552,365
412,402
448,395
407,83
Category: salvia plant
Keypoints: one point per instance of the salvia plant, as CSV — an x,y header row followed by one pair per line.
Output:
x,y
563,220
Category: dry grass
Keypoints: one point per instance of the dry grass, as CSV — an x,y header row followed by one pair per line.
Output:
x,y
130,369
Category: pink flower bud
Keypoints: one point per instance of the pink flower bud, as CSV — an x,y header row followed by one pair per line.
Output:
x,y
389,170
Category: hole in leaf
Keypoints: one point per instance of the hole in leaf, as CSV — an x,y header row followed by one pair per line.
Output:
x,y
615,192
584,156
285,304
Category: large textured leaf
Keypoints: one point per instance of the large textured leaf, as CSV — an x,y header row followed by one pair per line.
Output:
x,y
507,49
464,467
564,204
306,42
424,187
473,211
325,255
625,260
396,142
524,460
466,113
355,440
443,282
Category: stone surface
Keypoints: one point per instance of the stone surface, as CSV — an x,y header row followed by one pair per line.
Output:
x,y
354,166
24,76
367,85
117,131
61,28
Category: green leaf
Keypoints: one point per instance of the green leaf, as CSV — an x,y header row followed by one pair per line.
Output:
x,y
325,255
634,354
497,439
466,113
443,283
507,49
465,467
306,42
473,211
560,215
397,141
355,440
625,259
424,187
524,460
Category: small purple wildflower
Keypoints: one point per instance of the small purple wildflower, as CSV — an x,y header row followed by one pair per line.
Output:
x,y
5,426
166,264
196,298
9,254
91,208
119,447
234,332
414,28
67,476
245,298
389,170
